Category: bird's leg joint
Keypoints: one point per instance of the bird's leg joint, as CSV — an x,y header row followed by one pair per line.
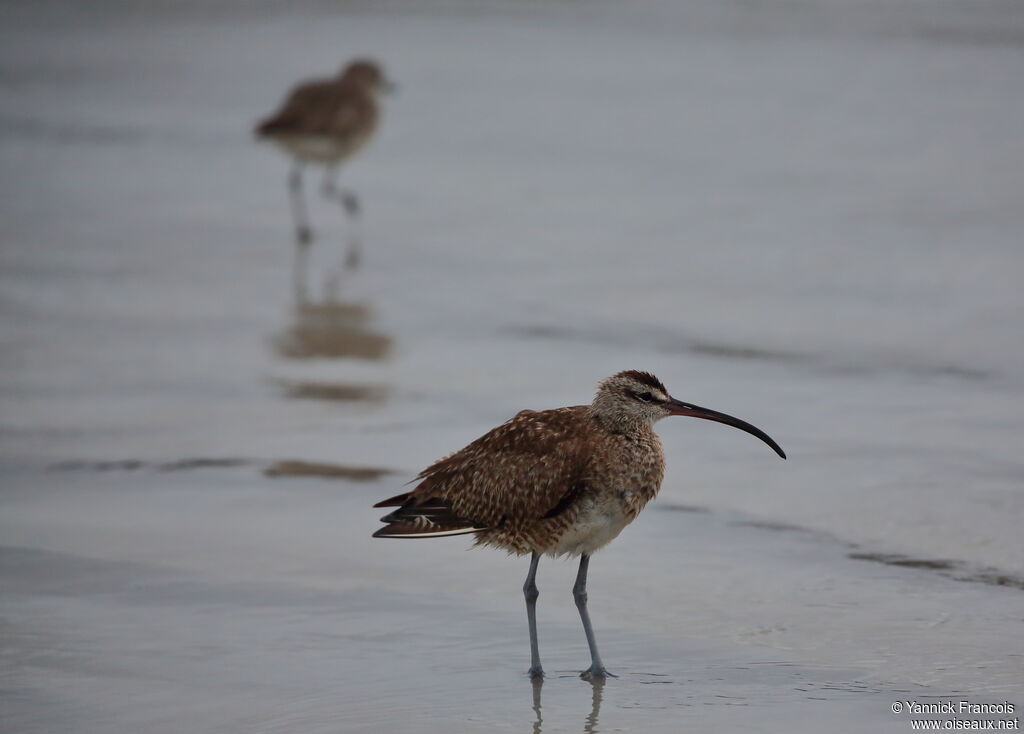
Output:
x,y
579,593
530,591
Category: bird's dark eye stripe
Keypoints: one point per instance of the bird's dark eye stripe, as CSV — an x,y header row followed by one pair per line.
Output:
x,y
645,396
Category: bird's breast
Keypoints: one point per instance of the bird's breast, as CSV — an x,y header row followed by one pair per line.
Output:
x,y
598,521
313,148
618,487
632,470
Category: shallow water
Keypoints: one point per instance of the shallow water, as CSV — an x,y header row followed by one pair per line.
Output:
x,y
806,215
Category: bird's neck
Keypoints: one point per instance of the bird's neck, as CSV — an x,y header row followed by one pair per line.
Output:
x,y
618,422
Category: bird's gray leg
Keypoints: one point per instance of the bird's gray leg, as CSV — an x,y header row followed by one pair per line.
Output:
x,y
579,593
531,593
355,241
303,233
346,197
350,203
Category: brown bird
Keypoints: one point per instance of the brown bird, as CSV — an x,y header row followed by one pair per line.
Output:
x,y
323,122
553,482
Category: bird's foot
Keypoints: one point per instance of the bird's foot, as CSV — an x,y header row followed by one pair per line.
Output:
x,y
596,672
536,672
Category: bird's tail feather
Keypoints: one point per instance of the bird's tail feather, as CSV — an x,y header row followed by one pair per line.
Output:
x,y
397,501
272,126
429,518
411,531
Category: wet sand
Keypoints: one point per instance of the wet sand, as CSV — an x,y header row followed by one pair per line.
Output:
x,y
807,215
220,600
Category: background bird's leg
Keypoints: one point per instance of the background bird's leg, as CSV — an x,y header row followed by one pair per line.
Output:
x,y
579,593
350,203
299,276
303,233
531,593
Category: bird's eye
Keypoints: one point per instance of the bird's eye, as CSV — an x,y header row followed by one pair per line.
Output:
x,y
645,397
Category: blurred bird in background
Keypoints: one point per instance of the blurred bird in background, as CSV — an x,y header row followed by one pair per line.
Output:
x,y
323,122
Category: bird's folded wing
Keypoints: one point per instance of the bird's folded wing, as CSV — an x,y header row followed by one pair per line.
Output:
x,y
523,470
315,108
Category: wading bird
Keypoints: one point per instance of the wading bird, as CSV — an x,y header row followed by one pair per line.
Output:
x,y
323,122
553,482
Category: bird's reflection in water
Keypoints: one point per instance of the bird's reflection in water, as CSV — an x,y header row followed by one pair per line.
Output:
x,y
538,720
595,706
335,392
332,328
589,724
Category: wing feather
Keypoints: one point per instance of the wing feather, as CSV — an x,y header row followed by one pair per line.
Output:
x,y
518,473
316,108
530,468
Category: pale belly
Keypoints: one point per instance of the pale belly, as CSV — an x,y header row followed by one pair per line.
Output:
x,y
318,148
596,526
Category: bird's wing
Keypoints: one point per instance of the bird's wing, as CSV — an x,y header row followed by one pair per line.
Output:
x,y
525,469
314,108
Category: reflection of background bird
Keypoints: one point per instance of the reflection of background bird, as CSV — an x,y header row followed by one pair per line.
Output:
x,y
323,122
332,329
555,482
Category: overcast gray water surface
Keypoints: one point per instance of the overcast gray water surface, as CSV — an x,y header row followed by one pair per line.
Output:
x,y
805,214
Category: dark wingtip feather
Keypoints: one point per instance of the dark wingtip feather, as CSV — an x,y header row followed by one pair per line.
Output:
x,y
271,126
428,517
411,531
397,501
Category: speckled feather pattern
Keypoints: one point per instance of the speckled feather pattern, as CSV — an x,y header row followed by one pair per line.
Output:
x,y
327,119
553,482
562,481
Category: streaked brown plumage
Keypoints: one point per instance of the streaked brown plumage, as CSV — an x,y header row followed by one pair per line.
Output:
x,y
327,120
553,482
323,122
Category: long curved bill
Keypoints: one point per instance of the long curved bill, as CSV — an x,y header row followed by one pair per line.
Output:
x,y
677,407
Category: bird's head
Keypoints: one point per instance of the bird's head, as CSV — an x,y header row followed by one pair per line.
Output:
x,y
367,74
633,397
